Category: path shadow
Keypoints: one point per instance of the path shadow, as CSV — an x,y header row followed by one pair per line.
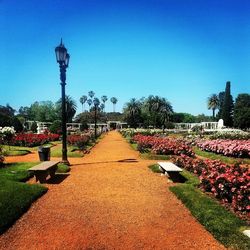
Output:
x,y
57,179
129,160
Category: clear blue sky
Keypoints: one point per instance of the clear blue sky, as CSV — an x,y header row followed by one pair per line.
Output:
x,y
183,50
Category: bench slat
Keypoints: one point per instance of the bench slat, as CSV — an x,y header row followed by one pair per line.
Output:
x,y
169,167
44,165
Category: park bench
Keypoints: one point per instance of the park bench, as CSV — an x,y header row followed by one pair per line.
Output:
x,y
171,170
42,170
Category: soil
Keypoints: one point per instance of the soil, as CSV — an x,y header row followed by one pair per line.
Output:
x,y
109,200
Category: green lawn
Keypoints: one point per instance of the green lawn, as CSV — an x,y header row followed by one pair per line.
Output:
x,y
71,152
15,196
225,159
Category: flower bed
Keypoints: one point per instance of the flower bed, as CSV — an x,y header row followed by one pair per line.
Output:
x,y
230,184
163,146
79,141
32,140
234,148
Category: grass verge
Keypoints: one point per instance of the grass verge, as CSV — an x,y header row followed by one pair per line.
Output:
x,y
72,151
155,168
222,224
16,197
62,168
225,159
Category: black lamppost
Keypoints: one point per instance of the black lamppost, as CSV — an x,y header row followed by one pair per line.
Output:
x,y
62,58
96,103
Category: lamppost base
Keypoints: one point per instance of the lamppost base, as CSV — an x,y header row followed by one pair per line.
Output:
x,y
66,162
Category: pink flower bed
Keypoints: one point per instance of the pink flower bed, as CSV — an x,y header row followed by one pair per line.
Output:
x,y
163,146
32,140
230,184
235,148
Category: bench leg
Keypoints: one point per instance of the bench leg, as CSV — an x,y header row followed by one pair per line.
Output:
x,y
52,172
41,176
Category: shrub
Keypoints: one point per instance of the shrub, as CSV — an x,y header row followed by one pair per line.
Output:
x,y
163,146
235,148
79,141
230,184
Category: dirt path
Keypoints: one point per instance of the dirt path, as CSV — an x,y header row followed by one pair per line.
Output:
x,y
110,200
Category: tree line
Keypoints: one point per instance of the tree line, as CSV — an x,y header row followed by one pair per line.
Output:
x,y
234,114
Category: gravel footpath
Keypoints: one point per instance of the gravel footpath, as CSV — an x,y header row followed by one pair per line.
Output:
x,y
110,200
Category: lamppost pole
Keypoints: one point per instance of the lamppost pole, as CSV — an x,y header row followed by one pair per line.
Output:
x,y
63,59
95,122
96,104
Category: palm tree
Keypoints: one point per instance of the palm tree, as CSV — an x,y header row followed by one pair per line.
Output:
x,y
91,94
102,106
166,111
83,99
104,99
89,101
132,111
213,103
71,107
114,100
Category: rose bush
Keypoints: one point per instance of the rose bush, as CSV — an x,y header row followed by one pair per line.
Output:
x,y
163,145
230,184
32,140
235,148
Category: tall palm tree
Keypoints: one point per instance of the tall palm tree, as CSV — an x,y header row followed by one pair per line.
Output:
x,y
102,106
89,101
71,107
166,111
104,99
83,99
91,94
114,100
213,103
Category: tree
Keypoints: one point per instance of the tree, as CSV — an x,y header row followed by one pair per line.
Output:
x,y
114,100
221,97
44,111
83,99
227,108
213,103
132,112
89,101
91,94
70,108
104,98
242,111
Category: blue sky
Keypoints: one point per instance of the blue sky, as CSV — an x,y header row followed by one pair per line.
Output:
x,y
183,50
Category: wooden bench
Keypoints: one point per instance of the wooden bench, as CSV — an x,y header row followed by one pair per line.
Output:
x,y
169,167
42,170
171,170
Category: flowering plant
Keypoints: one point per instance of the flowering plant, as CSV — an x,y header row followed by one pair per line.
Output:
x,y
230,184
32,140
163,145
235,148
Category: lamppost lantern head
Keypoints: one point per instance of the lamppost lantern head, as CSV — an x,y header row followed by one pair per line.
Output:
x,y
67,60
61,54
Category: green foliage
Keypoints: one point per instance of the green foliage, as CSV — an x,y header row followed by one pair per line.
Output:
x,y
222,224
34,127
71,107
56,127
155,168
44,111
213,103
242,111
62,168
227,108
